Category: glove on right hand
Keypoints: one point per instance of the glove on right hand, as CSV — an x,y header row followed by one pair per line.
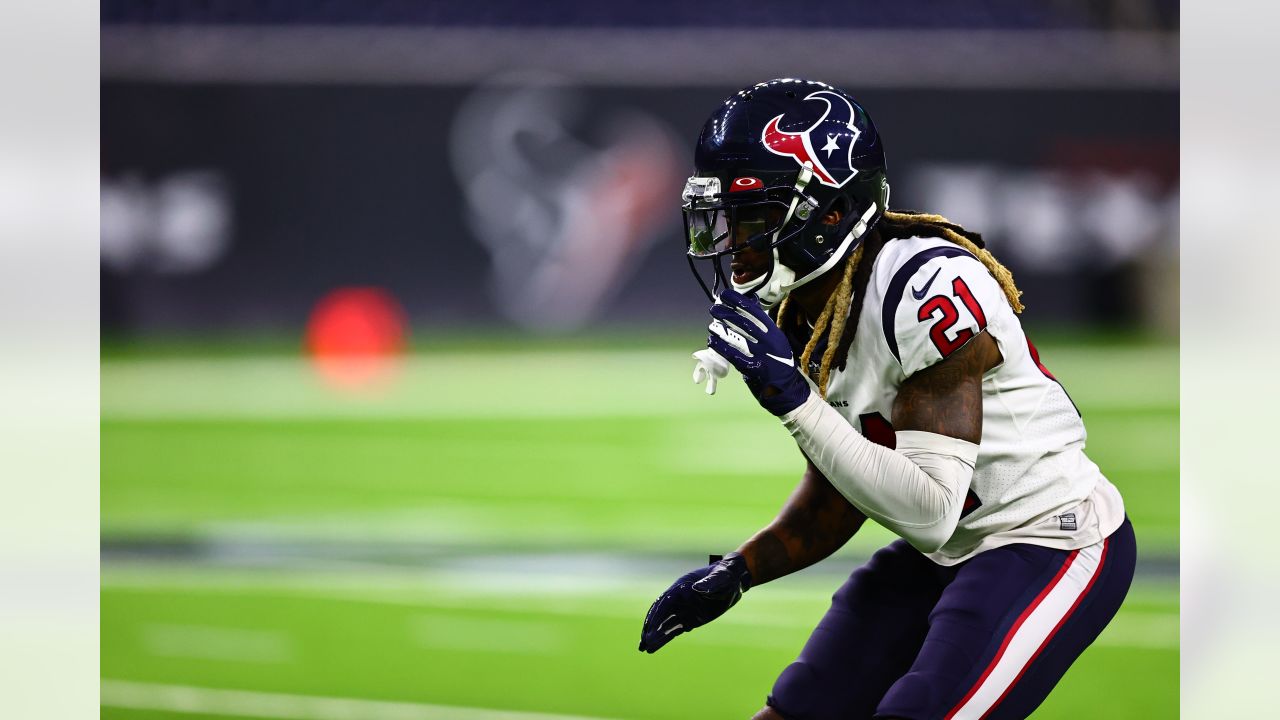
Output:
x,y
694,600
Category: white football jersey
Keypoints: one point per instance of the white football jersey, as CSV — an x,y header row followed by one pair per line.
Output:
x,y
1033,483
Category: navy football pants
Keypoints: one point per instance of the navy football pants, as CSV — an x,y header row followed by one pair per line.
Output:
x,y
988,638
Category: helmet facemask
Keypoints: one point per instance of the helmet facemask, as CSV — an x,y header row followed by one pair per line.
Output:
x,y
783,220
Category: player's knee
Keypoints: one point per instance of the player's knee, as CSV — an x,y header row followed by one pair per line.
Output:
x,y
768,713
796,691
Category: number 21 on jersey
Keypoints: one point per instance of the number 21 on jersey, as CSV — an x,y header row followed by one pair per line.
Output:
x,y
944,309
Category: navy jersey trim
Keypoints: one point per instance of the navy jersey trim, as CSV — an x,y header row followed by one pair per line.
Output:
x,y
899,283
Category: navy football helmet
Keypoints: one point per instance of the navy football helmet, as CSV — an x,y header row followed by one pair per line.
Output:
x,y
771,163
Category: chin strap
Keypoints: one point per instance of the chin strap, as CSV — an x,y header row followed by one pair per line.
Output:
x,y
771,287
775,285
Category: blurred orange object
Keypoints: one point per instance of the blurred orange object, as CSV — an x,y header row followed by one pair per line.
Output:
x,y
355,336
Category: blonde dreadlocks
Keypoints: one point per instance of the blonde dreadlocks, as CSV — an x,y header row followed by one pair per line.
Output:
x,y
846,299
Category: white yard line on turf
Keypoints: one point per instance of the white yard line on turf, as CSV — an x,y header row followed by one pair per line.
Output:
x,y
245,703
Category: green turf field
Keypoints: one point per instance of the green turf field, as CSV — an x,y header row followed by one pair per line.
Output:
x,y
485,534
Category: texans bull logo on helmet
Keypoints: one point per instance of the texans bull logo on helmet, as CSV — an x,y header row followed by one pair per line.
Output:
x,y
832,161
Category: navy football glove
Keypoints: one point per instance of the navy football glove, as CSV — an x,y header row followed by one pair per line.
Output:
x,y
746,336
694,600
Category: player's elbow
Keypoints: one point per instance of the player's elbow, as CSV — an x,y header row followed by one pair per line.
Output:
x,y
926,546
932,515
930,539
936,517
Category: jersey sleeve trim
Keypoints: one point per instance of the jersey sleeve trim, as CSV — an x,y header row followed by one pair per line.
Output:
x,y
898,285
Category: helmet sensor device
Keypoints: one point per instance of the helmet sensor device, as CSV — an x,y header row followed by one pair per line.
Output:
x,y
788,176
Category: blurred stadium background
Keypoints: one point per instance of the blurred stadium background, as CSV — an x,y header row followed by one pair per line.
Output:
x,y
396,416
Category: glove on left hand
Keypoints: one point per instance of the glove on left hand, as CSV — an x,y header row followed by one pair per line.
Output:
x,y
746,336
694,600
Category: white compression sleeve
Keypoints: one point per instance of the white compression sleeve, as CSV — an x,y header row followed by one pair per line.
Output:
x,y
916,491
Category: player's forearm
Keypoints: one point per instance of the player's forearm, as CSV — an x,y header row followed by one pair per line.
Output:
x,y
775,552
816,521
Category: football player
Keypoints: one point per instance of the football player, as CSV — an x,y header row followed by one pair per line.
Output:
x,y
888,345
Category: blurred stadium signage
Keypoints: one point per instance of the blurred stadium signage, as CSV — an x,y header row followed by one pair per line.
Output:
x,y
545,204
566,196
179,223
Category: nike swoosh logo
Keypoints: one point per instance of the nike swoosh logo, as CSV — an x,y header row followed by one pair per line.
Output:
x,y
785,361
919,294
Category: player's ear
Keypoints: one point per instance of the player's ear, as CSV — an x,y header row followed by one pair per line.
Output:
x,y
832,217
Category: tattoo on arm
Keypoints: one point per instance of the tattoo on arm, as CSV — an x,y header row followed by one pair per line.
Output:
x,y
815,522
946,398
767,556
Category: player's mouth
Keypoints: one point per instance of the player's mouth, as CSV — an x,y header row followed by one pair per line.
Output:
x,y
744,273
749,263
